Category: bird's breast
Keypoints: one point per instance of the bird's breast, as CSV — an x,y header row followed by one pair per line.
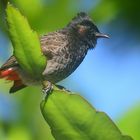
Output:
x,y
64,63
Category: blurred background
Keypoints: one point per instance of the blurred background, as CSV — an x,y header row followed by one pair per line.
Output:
x,y
108,78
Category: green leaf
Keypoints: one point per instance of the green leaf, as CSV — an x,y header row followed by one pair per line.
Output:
x,y
25,42
70,117
130,122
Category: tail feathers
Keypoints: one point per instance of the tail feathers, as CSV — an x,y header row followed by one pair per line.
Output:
x,y
9,74
18,85
12,75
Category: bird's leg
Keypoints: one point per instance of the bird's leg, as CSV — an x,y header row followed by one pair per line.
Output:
x,y
62,88
47,87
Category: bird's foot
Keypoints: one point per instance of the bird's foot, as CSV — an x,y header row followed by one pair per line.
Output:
x,y
47,87
62,88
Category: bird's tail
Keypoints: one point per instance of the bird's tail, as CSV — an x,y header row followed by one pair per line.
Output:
x,y
11,74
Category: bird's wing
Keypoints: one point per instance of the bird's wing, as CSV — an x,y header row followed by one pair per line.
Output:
x,y
11,62
52,43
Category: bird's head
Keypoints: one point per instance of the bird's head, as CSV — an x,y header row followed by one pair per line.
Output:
x,y
84,28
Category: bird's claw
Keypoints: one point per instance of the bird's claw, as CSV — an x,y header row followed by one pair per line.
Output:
x,y
47,87
62,88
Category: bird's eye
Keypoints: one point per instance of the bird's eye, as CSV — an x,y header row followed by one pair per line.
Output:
x,y
82,29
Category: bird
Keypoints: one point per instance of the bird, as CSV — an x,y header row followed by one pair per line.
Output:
x,y
65,49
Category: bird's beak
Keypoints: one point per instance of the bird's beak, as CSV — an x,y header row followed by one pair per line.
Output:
x,y
101,35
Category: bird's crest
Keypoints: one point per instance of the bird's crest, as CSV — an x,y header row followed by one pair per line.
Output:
x,y
82,16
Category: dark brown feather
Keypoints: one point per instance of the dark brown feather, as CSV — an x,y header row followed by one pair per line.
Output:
x,y
18,85
11,62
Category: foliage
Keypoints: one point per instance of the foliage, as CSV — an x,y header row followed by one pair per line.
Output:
x,y
26,43
130,122
72,118
108,10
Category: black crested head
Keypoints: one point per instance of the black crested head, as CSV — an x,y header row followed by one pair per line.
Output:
x,y
82,19
83,26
